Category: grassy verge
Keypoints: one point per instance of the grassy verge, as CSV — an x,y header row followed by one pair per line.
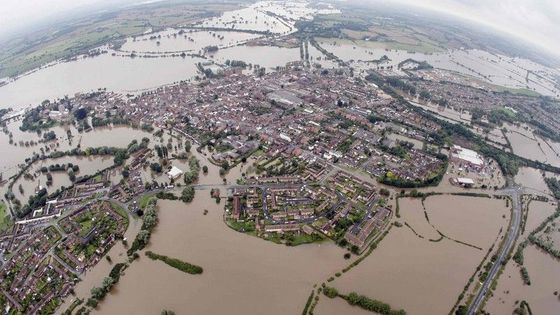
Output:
x,y
143,201
5,221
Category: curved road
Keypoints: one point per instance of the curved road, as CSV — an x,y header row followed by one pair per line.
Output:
x,y
515,193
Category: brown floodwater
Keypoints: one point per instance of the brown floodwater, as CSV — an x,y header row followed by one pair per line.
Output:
x,y
533,180
528,145
457,216
337,306
88,166
538,212
544,272
412,213
245,274
406,271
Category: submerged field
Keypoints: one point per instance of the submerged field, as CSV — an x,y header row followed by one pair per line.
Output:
x,y
233,263
543,270
405,264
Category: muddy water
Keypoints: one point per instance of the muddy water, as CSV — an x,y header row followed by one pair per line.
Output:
x,y
12,155
528,145
455,216
538,212
171,41
115,73
533,180
88,166
495,69
264,56
544,272
406,271
244,273
412,213
337,306
94,276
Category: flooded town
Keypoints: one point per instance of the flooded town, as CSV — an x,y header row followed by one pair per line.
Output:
x,y
281,157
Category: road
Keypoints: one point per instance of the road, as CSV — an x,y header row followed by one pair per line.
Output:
x,y
515,193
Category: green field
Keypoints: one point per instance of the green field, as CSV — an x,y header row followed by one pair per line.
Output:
x,y
67,40
5,220
144,200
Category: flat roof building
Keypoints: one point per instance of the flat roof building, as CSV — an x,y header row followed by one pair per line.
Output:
x,y
174,173
459,153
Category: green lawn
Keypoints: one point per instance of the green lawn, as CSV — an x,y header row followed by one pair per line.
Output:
x,y
122,212
143,201
5,220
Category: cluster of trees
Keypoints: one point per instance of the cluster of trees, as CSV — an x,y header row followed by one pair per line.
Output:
x,y
150,220
372,305
99,293
330,292
391,180
187,195
554,186
211,48
36,201
156,167
81,113
176,263
401,85
363,301
49,136
525,276
236,63
166,195
192,176
100,122
162,151
60,167
33,120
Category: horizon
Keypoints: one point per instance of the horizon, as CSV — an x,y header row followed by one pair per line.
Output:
x,y
534,23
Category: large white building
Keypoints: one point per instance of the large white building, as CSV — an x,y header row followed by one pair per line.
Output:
x,y
174,173
460,154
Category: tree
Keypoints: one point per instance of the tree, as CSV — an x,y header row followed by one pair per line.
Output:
x,y
205,169
187,146
188,194
97,293
92,303
330,292
107,283
126,172
81,113
156,167
71,175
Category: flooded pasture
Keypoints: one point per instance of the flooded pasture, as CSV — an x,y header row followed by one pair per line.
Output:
x,y
233,263
488,67
177,41
405,264
542,268
120,74
538,212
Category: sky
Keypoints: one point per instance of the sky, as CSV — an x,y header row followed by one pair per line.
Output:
x,y
535,21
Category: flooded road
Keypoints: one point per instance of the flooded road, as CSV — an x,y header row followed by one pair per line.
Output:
x,y
543,271
404,264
